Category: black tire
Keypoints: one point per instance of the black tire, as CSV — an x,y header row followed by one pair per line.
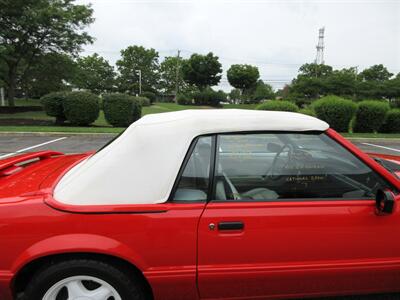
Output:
x,y
127,284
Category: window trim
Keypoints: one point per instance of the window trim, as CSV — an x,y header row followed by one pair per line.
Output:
x,y
325,199
185,161
382,172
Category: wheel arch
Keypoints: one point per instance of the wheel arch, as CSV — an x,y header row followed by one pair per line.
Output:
x,y
22,277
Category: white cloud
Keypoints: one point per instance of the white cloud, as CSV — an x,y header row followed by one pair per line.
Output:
x,y
277,36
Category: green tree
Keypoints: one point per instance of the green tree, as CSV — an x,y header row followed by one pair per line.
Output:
x,y
169,68
283,92
51,73
135,58
342,82
262,91
95,74
3,72
305,89
375,73
310,84
235,96
243,77
370,90
30,28
202,70
315,70
392,88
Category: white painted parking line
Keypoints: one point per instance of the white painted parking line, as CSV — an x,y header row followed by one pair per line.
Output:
x,y
32,147
383,147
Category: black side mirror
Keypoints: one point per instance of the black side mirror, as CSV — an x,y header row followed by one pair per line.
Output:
x,y
384,202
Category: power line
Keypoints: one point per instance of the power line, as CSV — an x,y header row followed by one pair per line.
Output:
x,y
244,60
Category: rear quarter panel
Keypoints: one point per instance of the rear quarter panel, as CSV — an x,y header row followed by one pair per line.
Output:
x,y
162,245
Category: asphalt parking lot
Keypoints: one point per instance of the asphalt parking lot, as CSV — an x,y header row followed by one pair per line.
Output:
x,y
15,143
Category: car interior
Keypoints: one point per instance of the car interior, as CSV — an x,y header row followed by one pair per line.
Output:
x,y
276,166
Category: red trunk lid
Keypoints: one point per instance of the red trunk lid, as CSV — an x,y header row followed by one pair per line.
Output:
x,y
22,175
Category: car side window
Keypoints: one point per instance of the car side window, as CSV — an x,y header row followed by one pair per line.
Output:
x,y
194,182
289,166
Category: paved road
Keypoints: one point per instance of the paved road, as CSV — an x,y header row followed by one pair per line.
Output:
x,y
12,143
21,143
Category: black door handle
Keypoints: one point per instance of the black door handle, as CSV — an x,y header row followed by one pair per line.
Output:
x,y
237,225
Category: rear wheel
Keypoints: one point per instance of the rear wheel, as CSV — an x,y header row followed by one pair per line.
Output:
x,y
83,279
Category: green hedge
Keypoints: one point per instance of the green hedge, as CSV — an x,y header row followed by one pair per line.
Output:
x,y
392,122
183,99
209,97
81,108
307,111
53,105
278,105
336,111
143,101
395,103
149,95
120,110
370,116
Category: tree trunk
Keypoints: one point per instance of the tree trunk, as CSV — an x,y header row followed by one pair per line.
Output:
x,y
12,84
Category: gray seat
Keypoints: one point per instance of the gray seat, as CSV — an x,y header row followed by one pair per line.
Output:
x,y
261,194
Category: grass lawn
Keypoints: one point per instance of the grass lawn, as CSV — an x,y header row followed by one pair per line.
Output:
x,y
101,126
241,106
168,107
372,135
27,102
63,129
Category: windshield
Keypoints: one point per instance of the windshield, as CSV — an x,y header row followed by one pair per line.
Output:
x,y
391,166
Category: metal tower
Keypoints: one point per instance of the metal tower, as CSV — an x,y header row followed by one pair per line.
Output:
x,y
319,59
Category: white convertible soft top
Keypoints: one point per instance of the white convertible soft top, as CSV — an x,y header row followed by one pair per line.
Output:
x,y
141,165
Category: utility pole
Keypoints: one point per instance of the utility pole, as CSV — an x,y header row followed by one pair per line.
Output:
x,y
2,96
139,72
177,76
319,59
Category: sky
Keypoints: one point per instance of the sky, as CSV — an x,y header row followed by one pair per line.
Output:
x,y
276,36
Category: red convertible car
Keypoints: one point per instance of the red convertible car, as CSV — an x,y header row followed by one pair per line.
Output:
x,y
202,204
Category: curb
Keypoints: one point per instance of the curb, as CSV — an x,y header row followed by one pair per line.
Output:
x,y
371,139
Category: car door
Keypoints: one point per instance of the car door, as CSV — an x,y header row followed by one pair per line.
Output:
x,y
294,215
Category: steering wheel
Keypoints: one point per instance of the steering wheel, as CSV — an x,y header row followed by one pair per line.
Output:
x,y
271,170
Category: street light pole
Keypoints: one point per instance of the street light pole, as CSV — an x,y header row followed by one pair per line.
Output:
x,y
177,77
139,72
2,97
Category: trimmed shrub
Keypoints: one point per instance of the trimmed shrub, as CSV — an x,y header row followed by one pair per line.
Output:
x,y
81,108
392,122
121,110
149,95
336,111
143,101
278,105
307,111
395,103
53,105
183,99
209,97
370,116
